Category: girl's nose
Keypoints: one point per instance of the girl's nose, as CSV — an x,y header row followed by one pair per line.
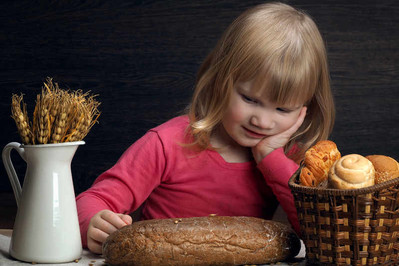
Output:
x,y
262,120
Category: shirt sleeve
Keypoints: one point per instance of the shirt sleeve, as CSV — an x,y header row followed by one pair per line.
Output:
x,y
277,169
125,186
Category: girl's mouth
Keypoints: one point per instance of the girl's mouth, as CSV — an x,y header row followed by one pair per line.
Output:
x,y
253,134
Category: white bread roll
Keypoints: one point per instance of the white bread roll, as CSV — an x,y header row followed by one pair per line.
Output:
x,y
351,171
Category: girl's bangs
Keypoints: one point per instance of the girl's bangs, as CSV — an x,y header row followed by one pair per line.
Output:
x,y
285,81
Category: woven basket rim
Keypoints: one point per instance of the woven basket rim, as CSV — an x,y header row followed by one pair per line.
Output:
x,y
294,185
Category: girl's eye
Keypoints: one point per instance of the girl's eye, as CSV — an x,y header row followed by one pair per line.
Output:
x,y
248,99
283,110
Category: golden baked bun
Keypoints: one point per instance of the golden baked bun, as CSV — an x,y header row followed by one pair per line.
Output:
x,y
318,161
307,178
386,168
351,171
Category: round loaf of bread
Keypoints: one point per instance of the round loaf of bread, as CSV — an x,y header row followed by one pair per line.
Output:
x,y
352,171
386,168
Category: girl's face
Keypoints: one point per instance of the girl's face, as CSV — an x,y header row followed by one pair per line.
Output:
x,y
251,117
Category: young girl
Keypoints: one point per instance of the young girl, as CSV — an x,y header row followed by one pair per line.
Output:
x,y
262,98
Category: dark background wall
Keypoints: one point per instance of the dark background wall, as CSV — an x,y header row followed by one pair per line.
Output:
x,y
141,58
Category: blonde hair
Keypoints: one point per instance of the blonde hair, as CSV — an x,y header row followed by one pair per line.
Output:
x,y
280,48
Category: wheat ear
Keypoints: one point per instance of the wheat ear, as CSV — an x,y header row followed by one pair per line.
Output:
x,y
86,116
21,119
61,124
42,117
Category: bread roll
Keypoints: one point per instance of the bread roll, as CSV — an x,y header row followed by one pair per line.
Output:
x,y
318,161
352,171
218,240
386,168
307,178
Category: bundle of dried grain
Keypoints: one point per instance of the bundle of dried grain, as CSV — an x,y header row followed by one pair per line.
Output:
x,y
59,115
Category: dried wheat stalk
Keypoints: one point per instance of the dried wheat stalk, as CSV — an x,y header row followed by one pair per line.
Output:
x,y
59,115
41,119
21,119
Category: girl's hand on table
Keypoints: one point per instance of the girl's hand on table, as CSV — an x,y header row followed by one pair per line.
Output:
x,y
102,224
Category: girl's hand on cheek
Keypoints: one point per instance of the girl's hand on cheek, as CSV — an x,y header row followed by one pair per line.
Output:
x,y
269,144
102,224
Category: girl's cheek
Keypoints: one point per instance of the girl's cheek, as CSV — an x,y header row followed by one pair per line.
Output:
x,y
236,111
283,124
236,114
291,122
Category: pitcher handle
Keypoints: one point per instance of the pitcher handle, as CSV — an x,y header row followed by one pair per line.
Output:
x,y
12,175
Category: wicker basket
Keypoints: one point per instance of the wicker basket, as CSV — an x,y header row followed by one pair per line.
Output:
x,y
349,227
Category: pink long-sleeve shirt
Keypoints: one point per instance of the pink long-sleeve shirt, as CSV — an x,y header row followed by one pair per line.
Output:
x,y
173,181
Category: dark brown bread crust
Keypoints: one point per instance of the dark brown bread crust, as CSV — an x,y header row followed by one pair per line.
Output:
x,y
218,240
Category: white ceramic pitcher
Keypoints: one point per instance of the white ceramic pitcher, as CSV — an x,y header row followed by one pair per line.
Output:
x,y
46,228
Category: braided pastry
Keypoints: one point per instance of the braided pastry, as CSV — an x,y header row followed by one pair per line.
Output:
x,y
318,160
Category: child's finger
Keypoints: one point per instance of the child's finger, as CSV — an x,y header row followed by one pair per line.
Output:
x,y
104,225
98,235
298,123
94,246
114,219
301,117
126,218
